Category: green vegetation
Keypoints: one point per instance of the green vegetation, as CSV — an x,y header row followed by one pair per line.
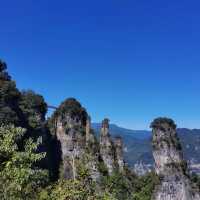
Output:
x,y
118,185
72,107
196,180
144,186
162,121
69,107
165,124
19,177
25,109
9,98
83,188
79,189
34,109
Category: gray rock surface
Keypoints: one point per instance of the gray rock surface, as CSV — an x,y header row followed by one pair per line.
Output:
x,y
119,153
107,147
79,146
169,164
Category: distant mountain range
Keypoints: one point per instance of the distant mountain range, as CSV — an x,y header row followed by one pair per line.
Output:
x,y
137,143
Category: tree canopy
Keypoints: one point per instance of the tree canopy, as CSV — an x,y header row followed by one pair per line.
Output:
x,y
19,178
3,73
9,98
161,121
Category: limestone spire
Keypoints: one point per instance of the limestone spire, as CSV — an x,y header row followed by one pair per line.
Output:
x,y
106,147
119,153
166,145
169,163
70,119
105,127
88,128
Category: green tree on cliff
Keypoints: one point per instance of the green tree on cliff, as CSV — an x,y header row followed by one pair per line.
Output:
x,y
9,98
19,178
34,109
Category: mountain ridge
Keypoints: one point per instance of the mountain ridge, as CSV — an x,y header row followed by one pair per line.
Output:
x,y
138,143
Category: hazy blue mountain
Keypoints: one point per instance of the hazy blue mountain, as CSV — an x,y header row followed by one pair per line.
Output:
x,y
116,130
138,143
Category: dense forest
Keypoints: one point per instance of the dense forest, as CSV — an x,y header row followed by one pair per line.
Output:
x,y
31,163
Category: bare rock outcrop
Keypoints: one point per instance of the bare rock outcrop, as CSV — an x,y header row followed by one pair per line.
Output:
x,y
72,130
107,147
70,133
90,137
118,142
79,146
92,152
169,164
111,151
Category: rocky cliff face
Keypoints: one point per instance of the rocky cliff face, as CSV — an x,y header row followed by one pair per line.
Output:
x,y
118,143
70,129
79,146
72,144
169,164
92,152
111,152
107,147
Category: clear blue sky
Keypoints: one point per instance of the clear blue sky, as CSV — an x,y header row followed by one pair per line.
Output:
x,y
129,60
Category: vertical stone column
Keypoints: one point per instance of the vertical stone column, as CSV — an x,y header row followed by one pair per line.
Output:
x,y
90,138
119,153
169,163
70,119
107,147
105,128
88,129
92,152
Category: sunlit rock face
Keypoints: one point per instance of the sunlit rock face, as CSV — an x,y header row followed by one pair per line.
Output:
x,y
78,145
70,133
70,121
92,152
107,150
90,137
169,163
72,130
119,153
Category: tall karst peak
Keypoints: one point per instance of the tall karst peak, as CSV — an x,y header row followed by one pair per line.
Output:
x,y
169,163
79,146
107,147
69,122
118,142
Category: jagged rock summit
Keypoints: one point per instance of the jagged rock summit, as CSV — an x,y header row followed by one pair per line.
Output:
x,y
107,147
69,121
169,164
111,151
71,125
